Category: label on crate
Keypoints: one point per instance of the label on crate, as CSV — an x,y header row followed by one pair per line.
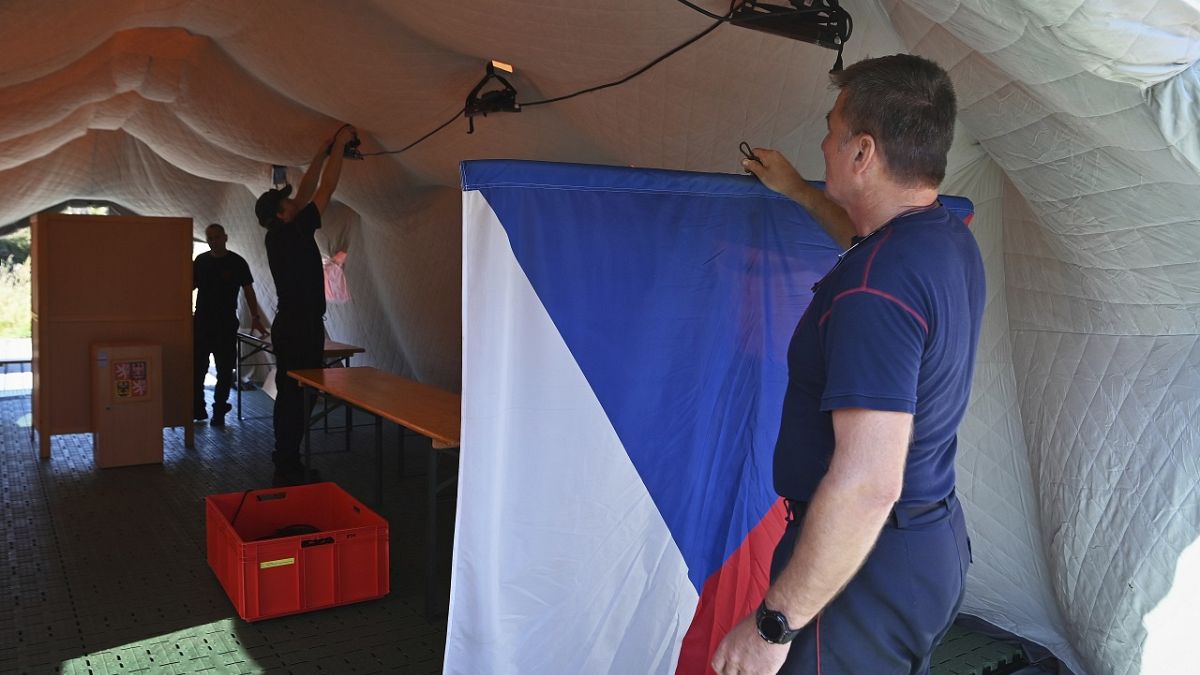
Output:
x,y
282,562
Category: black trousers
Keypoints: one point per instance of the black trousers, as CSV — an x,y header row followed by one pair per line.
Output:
x,y
298,341
217,337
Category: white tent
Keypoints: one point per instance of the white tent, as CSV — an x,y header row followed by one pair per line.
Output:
x,y
1078,143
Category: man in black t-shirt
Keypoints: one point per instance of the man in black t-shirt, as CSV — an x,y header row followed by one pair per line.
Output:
x,y
217,275
298,331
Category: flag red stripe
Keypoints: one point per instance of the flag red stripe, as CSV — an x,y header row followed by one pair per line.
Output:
x,y
731,593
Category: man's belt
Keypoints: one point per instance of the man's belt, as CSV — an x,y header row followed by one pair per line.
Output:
x,y
900,516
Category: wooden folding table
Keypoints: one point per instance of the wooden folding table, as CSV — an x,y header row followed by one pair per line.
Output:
x,y
429,411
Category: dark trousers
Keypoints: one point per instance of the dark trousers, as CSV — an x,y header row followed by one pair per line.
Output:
x,y
298,341
217,337
897,608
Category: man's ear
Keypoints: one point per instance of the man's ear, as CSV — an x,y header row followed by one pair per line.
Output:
x,y
866,153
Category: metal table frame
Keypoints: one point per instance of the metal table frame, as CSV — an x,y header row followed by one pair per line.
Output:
x,y
334,353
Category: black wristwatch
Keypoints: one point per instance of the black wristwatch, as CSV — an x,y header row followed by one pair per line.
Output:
x,y
773,626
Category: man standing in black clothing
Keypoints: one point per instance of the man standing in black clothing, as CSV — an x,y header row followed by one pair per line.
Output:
x,y
217,275
298,331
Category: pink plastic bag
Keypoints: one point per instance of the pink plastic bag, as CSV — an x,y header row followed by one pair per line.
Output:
x,y
336,290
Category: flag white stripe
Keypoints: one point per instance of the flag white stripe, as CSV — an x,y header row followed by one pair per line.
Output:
x,y
562,563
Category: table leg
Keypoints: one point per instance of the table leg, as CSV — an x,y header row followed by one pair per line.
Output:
x,y
379,459
401,436
308,403
238,382
431,531
349,423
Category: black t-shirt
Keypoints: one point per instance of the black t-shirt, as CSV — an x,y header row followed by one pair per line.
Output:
x,y
295,263
217,281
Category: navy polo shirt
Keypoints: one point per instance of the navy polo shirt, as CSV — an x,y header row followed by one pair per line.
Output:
x,y
893,326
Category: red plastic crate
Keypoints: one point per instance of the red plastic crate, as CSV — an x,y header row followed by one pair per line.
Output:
x,y
267,576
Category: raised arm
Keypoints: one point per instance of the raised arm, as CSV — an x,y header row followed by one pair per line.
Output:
x,y
778,174
333,169
308,184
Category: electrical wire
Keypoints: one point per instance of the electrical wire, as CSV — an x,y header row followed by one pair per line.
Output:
x,y
238,511
705,12
623,80
629,77
410,146
719,20
556,99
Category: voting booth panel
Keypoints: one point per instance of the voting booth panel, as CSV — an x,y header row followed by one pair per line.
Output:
x,y
104,280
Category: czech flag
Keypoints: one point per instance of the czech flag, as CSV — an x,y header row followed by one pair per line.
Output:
x,y
624,362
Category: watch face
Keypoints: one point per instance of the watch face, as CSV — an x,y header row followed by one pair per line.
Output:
x,y
771,627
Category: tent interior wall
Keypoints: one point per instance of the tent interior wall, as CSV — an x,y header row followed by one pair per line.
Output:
x,y
1078,143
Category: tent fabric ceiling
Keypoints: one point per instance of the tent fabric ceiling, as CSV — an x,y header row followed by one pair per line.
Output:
x,y
1079,144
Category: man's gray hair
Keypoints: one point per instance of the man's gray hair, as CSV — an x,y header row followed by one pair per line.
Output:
x,y
907,104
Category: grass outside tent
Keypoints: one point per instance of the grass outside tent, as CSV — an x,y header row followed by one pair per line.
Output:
x,y
15,286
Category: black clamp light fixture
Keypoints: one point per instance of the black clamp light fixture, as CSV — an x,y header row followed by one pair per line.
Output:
x,y
493,101
820,22
350,150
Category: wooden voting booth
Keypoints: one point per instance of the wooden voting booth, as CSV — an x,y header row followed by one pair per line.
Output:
x,y
109,280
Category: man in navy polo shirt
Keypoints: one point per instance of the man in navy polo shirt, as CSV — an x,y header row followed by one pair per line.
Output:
x,y
870,572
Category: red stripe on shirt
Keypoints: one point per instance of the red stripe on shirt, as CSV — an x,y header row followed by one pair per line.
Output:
x,y
864,288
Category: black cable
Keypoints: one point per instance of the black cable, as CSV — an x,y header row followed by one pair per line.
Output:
x,y
410,146
238,511
707,13
578,93
558,98
720,20
287,531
